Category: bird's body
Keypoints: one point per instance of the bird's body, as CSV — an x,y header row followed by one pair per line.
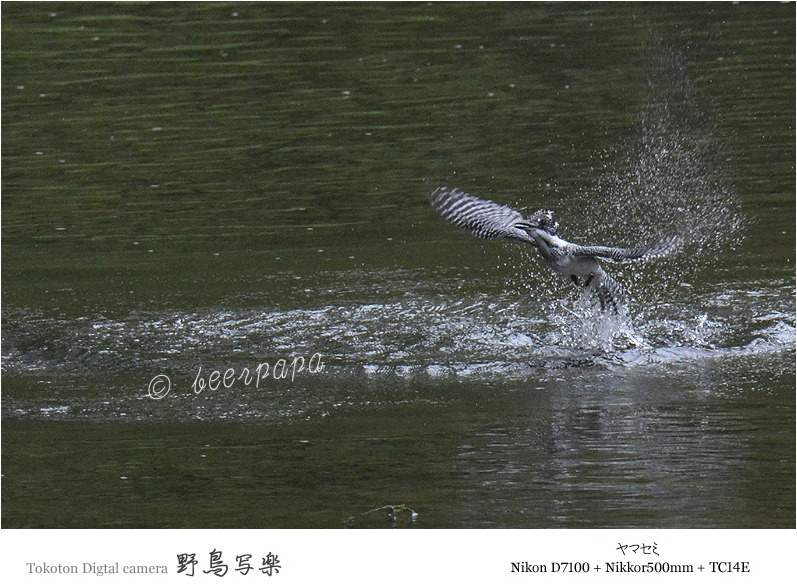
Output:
x,y
489,220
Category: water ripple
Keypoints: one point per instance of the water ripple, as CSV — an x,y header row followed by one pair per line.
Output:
x,y
479,336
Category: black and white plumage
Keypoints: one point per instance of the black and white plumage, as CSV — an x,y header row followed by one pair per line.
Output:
x,y
489,220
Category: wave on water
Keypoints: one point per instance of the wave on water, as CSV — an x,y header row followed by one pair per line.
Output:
x,y
407,348
488,336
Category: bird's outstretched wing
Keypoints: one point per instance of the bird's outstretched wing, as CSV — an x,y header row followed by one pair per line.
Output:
x,y
483,218
621,255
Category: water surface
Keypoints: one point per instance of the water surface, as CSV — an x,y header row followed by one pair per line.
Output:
x,y
190,188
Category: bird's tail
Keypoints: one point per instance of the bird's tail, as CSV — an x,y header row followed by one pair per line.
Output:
x,y
667,246
609,292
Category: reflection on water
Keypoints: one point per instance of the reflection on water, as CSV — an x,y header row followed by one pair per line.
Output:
x,y
217,198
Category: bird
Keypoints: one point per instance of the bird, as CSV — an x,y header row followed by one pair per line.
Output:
x,y
579,263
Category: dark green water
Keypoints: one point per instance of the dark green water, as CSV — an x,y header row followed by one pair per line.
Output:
x,y
199,187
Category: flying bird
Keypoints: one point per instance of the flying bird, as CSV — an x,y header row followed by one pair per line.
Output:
x,y
579,263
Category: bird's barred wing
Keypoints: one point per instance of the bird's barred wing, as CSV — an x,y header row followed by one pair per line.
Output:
x,y
483,218
663,248
617,254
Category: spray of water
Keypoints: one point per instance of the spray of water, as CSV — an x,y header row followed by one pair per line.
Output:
x,y
668,180
663,182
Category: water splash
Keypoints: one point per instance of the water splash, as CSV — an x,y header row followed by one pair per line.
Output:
x,y
583,326
411,334
667,179
97,367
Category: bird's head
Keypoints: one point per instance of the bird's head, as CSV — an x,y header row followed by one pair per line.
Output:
x,y
545,220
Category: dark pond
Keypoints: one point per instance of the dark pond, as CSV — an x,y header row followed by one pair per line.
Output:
x,y
190,188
